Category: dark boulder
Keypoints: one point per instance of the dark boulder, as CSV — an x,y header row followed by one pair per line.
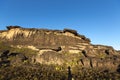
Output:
x,y
12,27
71,31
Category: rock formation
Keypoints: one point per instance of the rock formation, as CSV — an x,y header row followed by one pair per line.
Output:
x,y
61,47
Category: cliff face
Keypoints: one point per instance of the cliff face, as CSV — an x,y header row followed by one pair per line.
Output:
x,y
61,47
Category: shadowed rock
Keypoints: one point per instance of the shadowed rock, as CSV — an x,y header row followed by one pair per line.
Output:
x,y
12,27
71,31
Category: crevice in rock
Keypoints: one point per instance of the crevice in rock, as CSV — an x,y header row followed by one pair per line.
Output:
x,y
81,60
84,53
91,64
118,69
56,49
107,52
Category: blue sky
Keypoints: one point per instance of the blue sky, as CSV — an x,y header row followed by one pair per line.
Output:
x,y
98,20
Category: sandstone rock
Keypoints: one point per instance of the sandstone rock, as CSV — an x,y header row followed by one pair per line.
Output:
x,y
74,51
61,47
49,57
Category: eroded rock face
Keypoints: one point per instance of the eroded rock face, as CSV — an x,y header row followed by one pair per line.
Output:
x,y
42,37
62,47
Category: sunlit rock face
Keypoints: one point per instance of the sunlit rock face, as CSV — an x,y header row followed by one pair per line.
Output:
x,y
42,36
61,47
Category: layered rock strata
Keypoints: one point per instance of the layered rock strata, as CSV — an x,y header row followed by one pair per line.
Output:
x,y
61,47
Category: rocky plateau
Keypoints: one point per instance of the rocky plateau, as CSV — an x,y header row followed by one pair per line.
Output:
x,y
58,47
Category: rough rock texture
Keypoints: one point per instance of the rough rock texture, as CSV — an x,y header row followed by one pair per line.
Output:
x,y
42,37
62,47
7,58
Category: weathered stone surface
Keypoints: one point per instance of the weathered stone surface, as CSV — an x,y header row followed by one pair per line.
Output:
x,y
49,57
7,58
60,47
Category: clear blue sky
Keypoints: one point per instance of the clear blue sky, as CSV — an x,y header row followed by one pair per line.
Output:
x,y
98,20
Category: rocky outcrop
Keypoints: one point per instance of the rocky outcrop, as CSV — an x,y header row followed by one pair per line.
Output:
x,y
61,47
41,36
12,27
7,58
